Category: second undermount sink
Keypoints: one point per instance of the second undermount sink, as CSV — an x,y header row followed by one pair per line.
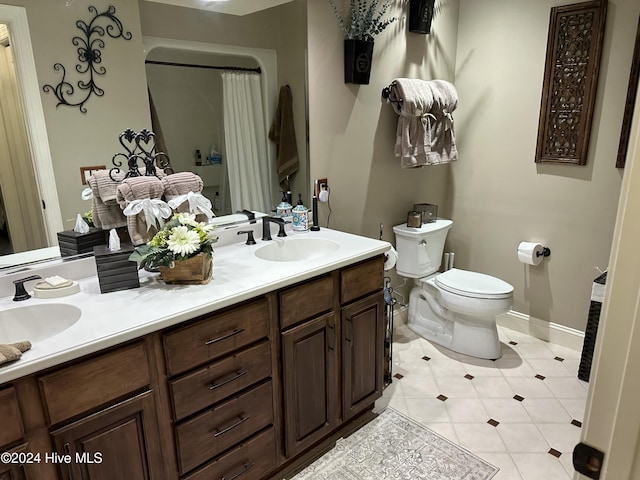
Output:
x,y
36,322
296,249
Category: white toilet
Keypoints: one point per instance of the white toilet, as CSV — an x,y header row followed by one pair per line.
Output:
x,y
457,308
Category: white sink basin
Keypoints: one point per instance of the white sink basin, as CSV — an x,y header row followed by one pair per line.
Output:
x,y
36,322
296,249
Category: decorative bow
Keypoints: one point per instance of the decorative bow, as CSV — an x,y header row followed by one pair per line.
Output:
x,y
155,210
87,194
198,203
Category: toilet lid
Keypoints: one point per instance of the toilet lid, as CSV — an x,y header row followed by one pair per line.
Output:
x,y
473,284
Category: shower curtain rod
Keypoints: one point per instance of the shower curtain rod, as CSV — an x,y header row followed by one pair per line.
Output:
x,y
213,67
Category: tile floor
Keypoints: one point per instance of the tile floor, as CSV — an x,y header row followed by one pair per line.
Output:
x,y
522,412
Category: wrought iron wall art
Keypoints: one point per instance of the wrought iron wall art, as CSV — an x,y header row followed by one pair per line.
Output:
x,y
632,91
570,80
139,146
90,46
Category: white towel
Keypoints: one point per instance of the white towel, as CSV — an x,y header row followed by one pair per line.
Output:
x,y
425,133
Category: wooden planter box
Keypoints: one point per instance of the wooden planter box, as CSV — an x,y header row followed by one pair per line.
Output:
x,y
193,271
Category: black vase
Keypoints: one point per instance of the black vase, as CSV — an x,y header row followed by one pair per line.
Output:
x,y
357,61
420,15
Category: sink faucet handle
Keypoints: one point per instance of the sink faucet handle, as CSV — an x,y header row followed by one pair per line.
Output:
x,y
281,232
21,293
250,239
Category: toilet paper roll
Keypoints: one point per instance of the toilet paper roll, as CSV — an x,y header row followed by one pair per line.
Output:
x,y
530,253
391,258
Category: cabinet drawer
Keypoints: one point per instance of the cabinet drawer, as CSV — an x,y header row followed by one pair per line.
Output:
x,y
361,279
93,383
12,429
248,461
214,431
215,336
305,301
219,380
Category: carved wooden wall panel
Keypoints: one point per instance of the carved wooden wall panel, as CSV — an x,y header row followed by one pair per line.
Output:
x,y
570,80
632,91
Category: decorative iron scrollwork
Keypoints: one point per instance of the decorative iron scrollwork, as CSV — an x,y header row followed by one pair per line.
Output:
x,y
90,47
574,45
139,146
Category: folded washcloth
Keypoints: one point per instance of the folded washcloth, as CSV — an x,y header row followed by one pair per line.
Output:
x,y
107,182
139,198
182,191
105,216
10,352
425,134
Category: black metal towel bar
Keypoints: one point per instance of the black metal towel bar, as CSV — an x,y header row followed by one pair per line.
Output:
x,y
386,94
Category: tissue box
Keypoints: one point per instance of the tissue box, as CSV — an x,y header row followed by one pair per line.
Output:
x,y
428,211
72,243
115,270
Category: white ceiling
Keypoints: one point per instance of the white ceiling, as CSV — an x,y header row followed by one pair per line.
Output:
x,y
231,7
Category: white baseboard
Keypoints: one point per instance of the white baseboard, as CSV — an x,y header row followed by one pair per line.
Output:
x,y
542,329
523,323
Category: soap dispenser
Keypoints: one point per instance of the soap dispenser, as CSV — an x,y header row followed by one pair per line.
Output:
x,y
284,207
300,216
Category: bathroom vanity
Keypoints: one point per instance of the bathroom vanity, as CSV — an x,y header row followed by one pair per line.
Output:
x,y
235,379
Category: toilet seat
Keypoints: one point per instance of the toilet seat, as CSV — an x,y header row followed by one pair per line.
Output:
x,y
473,284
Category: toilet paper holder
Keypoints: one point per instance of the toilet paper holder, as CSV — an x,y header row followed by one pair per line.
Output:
x,y
546,251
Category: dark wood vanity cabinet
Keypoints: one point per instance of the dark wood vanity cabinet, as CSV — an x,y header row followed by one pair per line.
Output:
x,y
332,358
238,393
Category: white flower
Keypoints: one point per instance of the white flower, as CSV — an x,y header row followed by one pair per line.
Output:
x,y
187,219
183,241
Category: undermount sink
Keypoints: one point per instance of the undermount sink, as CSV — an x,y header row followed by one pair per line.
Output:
x,y
296,249
36,322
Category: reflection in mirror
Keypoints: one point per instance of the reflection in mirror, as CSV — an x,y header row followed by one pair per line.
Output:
x,y
192,24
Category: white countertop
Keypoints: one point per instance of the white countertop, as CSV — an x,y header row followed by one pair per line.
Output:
x,y
113,318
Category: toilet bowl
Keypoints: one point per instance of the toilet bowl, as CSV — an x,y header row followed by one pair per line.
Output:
x,y
456,308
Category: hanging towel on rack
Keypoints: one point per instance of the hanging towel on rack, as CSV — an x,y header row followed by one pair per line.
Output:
x,y
425,134
283,134
106,213
139,198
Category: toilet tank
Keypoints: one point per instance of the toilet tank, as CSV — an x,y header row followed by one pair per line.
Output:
x,y
420,249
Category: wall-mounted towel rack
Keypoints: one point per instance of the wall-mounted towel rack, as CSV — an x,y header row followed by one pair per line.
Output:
x,y
388,95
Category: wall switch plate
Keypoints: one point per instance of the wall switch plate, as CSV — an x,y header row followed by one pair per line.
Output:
x,y
86,172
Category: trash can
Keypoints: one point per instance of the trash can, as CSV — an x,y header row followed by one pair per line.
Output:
x,y
597,295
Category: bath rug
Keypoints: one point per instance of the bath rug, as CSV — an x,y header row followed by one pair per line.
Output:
x,y
395,447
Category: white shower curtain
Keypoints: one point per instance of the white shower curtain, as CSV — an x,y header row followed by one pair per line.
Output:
x,y
246,142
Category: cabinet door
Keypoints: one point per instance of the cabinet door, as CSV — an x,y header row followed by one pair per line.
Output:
x,y
15,470
309,378
119,442
362,354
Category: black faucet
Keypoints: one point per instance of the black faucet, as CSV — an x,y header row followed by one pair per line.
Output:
x,y
266,230
21,293
250,215
250,239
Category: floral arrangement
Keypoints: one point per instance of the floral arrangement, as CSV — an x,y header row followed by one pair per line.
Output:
x,y
180,238
365,21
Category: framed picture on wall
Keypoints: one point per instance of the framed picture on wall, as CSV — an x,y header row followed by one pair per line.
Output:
x,y
632,91
574,46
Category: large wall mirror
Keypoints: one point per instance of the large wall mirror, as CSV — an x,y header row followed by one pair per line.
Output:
x,y
174,33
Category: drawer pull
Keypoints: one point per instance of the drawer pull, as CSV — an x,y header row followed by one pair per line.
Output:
x,y
225,430
224,337
245,467
234,376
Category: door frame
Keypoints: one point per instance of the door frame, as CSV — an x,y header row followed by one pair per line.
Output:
x,y
16,20
612,419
